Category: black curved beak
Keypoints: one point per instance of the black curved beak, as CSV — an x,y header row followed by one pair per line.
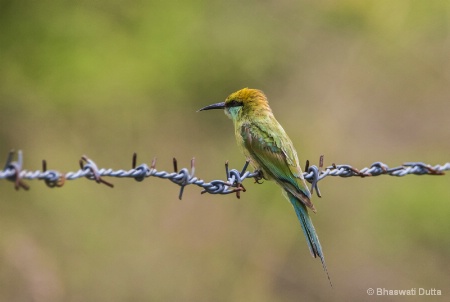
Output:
x,y
213,106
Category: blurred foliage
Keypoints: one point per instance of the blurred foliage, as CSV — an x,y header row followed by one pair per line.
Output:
x,y
358,81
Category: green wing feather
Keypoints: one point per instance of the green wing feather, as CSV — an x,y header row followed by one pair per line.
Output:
x,y
270,147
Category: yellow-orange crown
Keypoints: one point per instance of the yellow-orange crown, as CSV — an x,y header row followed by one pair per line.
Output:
x,y
250,99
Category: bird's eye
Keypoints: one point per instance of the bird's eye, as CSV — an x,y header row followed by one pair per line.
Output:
x,y
234,103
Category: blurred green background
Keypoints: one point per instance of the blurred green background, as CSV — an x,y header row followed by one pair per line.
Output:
x,y
357,81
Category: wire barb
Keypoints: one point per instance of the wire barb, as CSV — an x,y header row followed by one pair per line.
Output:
x,y
58,180
139,174
14,172
315,172
16,168
92,171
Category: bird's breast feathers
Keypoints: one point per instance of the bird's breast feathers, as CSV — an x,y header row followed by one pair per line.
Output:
x,y
271,150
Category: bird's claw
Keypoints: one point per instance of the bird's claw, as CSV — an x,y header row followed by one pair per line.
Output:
x,y
258,177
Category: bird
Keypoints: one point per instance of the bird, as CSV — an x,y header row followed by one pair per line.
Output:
x,y
271,152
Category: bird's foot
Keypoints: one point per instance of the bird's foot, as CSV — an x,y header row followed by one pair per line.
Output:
x,y
258,177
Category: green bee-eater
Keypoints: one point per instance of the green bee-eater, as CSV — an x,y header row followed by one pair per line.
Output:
x,y
266,144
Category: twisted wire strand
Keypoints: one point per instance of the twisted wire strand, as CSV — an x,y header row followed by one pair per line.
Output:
x,y
14,172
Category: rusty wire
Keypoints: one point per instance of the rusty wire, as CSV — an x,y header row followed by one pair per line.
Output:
x,y
13,171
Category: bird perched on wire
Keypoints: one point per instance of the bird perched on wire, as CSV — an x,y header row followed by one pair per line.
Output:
x,y
271,152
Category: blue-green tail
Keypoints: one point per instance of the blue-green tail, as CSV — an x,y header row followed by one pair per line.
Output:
x,y
308,230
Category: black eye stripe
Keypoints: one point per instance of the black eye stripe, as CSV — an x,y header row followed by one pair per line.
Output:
x,y
234,103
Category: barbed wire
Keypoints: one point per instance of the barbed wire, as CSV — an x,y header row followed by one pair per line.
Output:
x,y
13,171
